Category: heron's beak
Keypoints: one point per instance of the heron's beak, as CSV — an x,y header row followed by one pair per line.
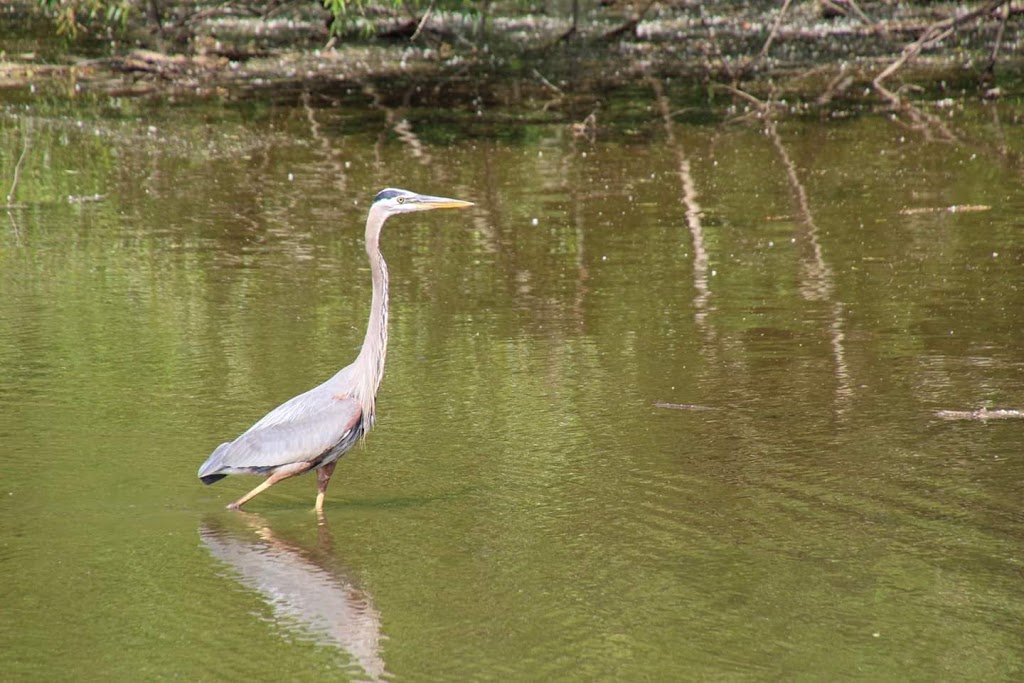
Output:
x,y
425,202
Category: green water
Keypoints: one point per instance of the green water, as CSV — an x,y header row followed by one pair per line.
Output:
x,y
661,406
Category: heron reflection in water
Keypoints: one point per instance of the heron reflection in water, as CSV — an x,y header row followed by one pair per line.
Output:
x,y
301,587
313,430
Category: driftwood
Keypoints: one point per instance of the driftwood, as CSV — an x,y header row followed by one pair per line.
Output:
x,y
955,208
981,414
682,406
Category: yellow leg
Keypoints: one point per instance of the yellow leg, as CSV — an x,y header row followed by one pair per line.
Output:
x,y
278,475
323,476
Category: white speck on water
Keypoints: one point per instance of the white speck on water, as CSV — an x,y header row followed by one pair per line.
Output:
x,y
995,254
604,258
534,221
291,177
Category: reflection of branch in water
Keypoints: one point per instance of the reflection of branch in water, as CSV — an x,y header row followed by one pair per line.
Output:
x,y
933,35
405,132
819,281
326,149
299,588
17,172
399,125
930,126
25,142
693,210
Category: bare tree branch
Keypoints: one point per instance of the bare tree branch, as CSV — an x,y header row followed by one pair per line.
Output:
x,y
935,33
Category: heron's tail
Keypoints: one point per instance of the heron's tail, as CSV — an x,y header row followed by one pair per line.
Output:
x,y
209,470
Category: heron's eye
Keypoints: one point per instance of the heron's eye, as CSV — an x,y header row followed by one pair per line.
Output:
x,y
401,200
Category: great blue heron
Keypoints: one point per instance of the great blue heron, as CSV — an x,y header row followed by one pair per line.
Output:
x,y
314,429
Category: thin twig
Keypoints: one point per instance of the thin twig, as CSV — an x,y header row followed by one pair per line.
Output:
x,y
838,84
423,22
990,70
860,13
17,171
716,49
630,24
760,104
775,29
769,40
548,83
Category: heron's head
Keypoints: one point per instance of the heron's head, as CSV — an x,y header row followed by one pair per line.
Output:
x,y
392,201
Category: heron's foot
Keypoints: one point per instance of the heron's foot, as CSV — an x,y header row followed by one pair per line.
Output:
x,y
234,506
323,477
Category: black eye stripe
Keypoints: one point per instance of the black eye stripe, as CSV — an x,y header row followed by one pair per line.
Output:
x,y
386,194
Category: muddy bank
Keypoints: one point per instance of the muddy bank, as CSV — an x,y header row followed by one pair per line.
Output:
x,y
716,53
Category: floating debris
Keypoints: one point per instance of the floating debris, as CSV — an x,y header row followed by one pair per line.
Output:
x,y
85,199
980,414
682,406
955,208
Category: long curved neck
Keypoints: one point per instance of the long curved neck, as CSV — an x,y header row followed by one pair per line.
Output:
x,y
375,344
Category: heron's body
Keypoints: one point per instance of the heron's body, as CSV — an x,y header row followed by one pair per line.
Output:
x,y
314,429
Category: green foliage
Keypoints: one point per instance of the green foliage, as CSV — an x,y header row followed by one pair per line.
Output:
x,y
72,16
345,12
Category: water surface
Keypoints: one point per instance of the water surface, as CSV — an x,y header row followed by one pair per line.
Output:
x,y
662,406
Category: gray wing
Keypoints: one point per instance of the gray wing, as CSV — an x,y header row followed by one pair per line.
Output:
x,y
299,430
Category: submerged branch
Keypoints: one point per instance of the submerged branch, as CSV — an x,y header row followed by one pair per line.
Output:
x,y
17,171
981,414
